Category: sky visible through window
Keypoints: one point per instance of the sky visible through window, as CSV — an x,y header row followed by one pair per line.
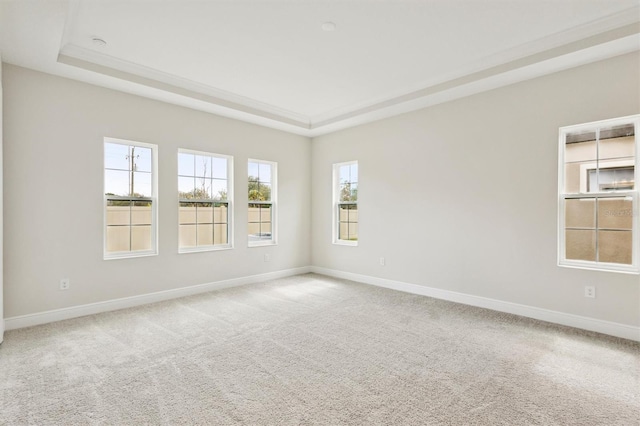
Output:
x,y
127,170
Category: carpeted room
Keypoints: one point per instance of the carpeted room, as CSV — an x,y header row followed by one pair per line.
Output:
x,y
458,201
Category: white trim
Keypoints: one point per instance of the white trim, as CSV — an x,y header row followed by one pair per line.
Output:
x,y
335,214
577,321
562,261
600,39
273,203
155,225
45,317
229,200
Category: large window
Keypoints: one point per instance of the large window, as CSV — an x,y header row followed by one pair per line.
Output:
x,y
130,198
262,202
598,206
204,197
345,201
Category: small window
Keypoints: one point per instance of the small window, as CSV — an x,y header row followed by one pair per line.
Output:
x,y
130,198
345,200
204,199
262,179
598,219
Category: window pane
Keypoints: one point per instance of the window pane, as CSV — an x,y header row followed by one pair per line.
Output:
x,y
353,231
220,234
265,230
141,159
265,191
345,174
353,213
219,168
343,231
265,213
141,213
219,189
203,166
186,187
354,173
580,155
265,172
580,213
187,213
253,170
615,213
141,237
611,179
343,213
188,235
142,184
615,246
617,142
186,164
254,213
118,238
118,212
580,244
205,213
116,156
205,235
116,182
220,213
254,231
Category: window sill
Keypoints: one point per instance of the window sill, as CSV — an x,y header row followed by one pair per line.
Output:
x,y
261,243
600,267
130,255
346,243
204,249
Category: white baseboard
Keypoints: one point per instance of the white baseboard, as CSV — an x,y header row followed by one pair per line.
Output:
x,y
585,323
22,321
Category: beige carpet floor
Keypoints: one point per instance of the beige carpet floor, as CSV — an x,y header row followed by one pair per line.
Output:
x,y
311,350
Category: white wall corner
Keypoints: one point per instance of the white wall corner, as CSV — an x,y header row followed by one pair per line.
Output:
x,y
576,321
46,317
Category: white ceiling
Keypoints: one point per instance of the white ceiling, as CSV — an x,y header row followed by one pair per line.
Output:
x,y
269,61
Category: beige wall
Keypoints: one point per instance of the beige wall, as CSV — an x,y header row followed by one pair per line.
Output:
x,y
54,130
463,196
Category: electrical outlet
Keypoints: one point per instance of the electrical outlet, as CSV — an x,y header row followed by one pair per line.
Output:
x,y
382,261
590,291
65,283
267,258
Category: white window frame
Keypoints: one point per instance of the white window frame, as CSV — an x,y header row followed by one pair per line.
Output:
x,y
229,201
634,268
273,202
154,201
336,205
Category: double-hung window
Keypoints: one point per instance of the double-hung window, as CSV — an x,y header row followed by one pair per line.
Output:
x,y
205,193
262,187
130,198
598,203
345,203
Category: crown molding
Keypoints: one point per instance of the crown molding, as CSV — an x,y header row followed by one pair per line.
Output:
x,y
608,37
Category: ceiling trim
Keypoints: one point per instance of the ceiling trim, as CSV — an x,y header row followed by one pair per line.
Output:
x,y
620,34
597,40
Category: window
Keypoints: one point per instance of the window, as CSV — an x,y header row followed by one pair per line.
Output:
x,y
262,202
204,198
598,205
345,201
130,200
